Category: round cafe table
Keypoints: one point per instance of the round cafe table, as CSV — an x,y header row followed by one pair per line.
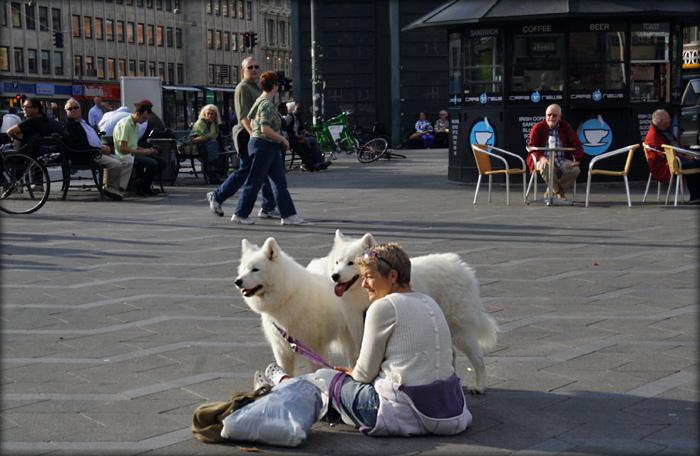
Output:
x,y
550,151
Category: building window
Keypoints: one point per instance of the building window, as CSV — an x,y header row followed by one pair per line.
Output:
x,y
149,4
159,4
75,26
270,31
56,19
168,5
209,6
241,9
3,15
139,3
16,15
210,39
169,36
483,65
142,68
236,76
30,15
99,28
224,7
100,67
249,6
159,35
234,8
211,74
282,33
19,60
132,67
90,66
120,31
178,38
31,61
87,26
161,71
152,69
78,65
4,58
140,33
538,63
171,73
43,18
110,69
130,32
218,39
151,34
58,62
234,41
180,74
122,67
649,63
109,29
217,7
45,62
227,41
597,60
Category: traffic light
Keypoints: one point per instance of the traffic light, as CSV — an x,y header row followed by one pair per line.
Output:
x,y
57,39
18,99
253,39
246,40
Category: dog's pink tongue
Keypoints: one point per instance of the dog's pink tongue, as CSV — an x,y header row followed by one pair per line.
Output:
x,y
339,290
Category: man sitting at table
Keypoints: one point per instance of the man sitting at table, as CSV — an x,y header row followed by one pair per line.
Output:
x,y
566,162
660,133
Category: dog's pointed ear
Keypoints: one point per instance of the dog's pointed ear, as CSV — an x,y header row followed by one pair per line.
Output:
x,y
339,236
271,248
368,241
245,246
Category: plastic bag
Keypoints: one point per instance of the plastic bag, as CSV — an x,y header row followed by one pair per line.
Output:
x,y
284,417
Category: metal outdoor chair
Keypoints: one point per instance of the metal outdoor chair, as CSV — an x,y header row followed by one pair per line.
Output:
x,y
629,150
648,152
75,160
534,176
483,155
676,167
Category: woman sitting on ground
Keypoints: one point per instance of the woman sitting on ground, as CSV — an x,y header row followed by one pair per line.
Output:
x,y
205,133
424,131
404,381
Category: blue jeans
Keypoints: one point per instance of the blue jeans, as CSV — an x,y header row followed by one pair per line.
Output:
x,y
359,400
236,180
267,161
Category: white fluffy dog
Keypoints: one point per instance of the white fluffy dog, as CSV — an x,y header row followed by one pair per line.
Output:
x,y
444,277
297,300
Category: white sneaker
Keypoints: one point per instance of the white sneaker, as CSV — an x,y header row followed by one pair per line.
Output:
x,y
242,220
214,205
292,220
259,380
273,214
274,373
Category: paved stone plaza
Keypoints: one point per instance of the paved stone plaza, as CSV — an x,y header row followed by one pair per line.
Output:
x,y
120,318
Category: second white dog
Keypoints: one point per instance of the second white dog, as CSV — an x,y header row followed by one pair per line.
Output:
x,y
444,277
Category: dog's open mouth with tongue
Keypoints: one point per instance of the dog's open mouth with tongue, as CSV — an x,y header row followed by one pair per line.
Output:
x,y
342,287
248,292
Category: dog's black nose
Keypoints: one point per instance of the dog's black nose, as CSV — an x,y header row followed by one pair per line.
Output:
x,y
238,283
335,277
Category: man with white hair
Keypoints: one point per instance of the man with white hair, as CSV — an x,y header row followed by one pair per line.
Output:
x,y
305,146
566,163
659,134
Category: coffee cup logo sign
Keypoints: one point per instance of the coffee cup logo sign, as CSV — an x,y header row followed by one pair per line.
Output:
x,y
535,97
483,98
595,135
482,133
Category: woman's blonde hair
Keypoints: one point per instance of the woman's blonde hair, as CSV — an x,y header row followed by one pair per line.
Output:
x,y
210,107
385,257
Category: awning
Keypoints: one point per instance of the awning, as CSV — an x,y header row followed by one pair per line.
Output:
x,y
458,12
183,88
220,89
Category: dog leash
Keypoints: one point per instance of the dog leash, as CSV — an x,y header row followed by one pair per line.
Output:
x,y
300,347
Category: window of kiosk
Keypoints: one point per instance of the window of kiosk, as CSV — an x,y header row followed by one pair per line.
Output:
x,y
455,63
538,63
649,65
483,65
597,61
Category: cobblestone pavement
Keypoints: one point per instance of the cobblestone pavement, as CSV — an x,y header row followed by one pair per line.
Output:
x,y
120,318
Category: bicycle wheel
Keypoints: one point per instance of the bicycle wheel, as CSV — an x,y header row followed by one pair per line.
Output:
x,y
373,150
24,184
348,144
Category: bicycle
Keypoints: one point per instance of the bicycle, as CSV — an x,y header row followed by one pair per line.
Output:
x,y
335,135
24,182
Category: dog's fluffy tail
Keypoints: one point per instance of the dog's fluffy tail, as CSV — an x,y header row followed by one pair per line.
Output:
x,y
488,331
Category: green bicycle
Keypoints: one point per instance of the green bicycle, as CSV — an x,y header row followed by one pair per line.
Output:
x,y
335,135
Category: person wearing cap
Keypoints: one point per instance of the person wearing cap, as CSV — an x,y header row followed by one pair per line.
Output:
x,y
126,143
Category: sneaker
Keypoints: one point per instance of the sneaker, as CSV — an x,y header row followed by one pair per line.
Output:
x,y
292,220
214,205
275,374
273,214
259,380
242,220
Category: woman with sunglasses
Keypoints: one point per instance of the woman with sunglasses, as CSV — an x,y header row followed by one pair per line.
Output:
x,y
265,148
403,382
